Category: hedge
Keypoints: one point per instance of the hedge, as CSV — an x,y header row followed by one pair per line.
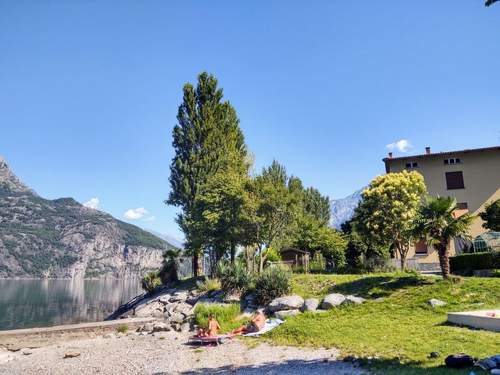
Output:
x,y
466,263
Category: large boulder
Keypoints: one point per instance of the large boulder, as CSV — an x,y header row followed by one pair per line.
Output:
x,y
179,296
286,313
310,304
183,308
286,303
353,300
176,318
332,300
149,309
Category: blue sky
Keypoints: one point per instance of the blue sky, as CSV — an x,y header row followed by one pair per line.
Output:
x,y
90,89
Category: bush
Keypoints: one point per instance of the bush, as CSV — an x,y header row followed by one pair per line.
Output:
x,y
168,272
226,315
274,282
209,285
150,281
466,263
122,329
233,278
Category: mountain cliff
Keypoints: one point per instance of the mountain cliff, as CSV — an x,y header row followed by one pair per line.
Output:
x,y
63,239
342,210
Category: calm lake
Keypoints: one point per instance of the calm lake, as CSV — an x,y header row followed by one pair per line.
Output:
x,y
41,303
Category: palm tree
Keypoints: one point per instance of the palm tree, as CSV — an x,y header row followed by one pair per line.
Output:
x,y
440,225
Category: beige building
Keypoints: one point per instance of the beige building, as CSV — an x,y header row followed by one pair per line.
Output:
x,y
470,176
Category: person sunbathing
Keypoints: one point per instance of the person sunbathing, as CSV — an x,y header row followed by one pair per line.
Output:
x,y
255,325
212,329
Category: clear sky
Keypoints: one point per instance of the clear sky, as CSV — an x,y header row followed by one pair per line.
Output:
x,y
89,89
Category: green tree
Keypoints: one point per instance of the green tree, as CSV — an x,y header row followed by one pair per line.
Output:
x,y
206,140
440,225
491,216
388,210
275,211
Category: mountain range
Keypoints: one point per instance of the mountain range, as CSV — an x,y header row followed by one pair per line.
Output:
x,y
61,238
342,210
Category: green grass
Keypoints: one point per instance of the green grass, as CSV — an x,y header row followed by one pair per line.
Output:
x,y
398,333
226,315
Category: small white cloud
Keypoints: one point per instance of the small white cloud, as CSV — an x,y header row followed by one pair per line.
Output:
x,y
402,145
135,213
149,218
92,203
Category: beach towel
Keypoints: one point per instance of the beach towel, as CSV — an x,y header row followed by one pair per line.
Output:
x,y
217,340
268,326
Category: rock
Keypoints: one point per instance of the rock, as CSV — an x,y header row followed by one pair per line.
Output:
x,y
179,296
147,310
436,302
310,304
148,327
109,336
332,300
434,355
286,313
184,308
176,318
165,299
26,351
161,327
248,313
353,300
157,314
71,354
286,303
232,298
379,299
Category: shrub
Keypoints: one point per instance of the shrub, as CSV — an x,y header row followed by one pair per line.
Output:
x,y
226,315
466,263
150,281
122,329
208,285
233,278
274,282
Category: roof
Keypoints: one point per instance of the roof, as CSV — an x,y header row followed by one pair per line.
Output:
x,y
466,151
294,250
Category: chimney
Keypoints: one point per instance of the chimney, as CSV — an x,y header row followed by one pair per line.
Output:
x,y
427,150
390,155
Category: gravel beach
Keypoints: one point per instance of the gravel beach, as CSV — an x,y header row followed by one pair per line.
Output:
x,y
168,353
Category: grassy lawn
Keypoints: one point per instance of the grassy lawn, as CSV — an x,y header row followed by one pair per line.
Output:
x,y
397,333
227,316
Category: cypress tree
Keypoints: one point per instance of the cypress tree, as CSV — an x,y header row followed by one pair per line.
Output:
x,y
207,140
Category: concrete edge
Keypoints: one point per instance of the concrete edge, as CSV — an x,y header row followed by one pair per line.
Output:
x,y
75,327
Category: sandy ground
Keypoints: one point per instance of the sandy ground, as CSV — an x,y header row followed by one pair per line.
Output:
x,y
169,354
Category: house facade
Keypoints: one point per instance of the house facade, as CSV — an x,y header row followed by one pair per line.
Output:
x,y
471,176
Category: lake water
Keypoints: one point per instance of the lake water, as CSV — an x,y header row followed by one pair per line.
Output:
x,y
42,303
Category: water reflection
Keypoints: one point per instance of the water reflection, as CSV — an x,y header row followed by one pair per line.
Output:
x,y
38,303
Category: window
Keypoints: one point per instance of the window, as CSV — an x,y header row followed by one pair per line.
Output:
x,y
421,247
452,161
411,165
462,206
454,180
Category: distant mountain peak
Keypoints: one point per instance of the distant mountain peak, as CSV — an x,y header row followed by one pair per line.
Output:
x,y
9,181
343,209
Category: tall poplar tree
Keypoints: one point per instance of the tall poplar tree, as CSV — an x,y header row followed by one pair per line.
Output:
x,y
207,140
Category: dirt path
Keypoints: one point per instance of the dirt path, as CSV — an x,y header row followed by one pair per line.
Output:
x,y
168,354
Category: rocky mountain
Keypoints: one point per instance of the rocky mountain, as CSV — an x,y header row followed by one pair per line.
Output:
x,y
342,210
63,239
166,237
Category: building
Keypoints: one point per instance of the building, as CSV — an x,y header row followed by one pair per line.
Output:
x,y
295,257
470,176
